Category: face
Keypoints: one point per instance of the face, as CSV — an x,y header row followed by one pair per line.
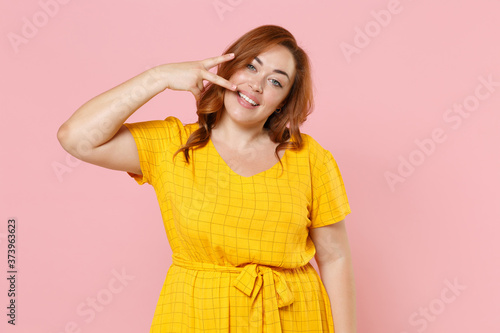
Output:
x,y
262,86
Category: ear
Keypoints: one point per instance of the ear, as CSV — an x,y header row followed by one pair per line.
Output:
x,y
282,104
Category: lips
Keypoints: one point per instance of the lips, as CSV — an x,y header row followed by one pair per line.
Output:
x,y
249,98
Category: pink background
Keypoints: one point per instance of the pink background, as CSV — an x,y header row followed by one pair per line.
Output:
x,y
435,227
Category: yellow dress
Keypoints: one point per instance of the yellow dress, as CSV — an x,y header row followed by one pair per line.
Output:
x,y
241,246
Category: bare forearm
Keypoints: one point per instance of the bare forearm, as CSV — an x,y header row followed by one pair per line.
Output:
x,y
100,118
338,279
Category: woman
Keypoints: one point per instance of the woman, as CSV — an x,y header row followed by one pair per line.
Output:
x,y
246,201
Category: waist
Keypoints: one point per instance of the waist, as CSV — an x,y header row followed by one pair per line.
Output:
x,y
266,287
206,266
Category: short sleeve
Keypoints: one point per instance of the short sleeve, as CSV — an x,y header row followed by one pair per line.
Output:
x,y
152,138
329,198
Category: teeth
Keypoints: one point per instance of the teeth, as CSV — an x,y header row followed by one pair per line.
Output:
x,y
247,99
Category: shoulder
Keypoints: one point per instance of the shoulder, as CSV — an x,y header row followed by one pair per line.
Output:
x,y
179,132
176,126
173,127
312,147
170,130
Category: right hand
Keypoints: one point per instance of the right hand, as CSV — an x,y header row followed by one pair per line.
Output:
x,y
189,76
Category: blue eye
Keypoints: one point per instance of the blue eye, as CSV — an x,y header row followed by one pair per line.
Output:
x,y
276,83
250,66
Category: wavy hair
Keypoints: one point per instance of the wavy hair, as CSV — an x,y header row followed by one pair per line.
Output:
x,y
297,105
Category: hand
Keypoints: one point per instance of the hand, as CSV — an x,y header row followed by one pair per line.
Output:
x,y
189,76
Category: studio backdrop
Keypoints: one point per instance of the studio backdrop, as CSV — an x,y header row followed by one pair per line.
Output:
x,y
407,99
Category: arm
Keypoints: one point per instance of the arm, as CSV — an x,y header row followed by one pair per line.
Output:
x,y
334,262
95,132
88,132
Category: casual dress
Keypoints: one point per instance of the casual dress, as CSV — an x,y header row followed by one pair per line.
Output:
x,y
241,246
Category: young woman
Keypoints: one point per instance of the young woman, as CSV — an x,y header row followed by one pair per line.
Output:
x,y
246,199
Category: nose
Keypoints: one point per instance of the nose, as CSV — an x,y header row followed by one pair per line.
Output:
x,y
255,85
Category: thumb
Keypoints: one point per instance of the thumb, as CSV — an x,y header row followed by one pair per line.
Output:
x,y
196,93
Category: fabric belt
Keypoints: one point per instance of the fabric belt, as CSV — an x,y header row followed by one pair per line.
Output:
x,y
266,287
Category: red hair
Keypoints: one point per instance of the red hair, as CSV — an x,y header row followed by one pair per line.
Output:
x,y
297,105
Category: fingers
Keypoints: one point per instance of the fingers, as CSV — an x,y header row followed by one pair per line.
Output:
x,y
212,62
196,93
200,86
216,79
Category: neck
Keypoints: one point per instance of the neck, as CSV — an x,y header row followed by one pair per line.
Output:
x,y
236,135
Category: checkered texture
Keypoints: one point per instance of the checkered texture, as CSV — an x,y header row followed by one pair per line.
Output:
x,y
241,246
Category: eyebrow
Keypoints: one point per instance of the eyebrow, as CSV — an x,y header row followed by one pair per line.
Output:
x,y
276,70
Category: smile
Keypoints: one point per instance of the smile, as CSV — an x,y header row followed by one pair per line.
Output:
x,y
248,99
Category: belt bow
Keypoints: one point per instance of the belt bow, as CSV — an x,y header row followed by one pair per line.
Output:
x,y
275,294
266,287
